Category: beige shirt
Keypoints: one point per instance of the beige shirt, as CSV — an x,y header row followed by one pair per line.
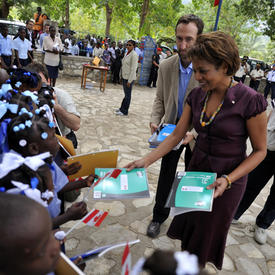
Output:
x,y
129,66
51,59
66,101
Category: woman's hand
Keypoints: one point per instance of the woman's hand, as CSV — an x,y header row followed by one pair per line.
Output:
x,y
188,137
220,185
128,84
140,163
55,51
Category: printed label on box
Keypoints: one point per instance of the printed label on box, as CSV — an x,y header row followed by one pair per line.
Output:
x,y
123,182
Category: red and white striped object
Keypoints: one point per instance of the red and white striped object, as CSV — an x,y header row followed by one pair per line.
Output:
x,y
126,261
95,217
111,174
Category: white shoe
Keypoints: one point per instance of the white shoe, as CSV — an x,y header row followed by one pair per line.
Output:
x,y
119,113
234,221
260,235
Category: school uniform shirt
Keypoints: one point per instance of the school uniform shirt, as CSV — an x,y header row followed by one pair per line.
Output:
x,y
5,45
75,50
257,73
22,47
29,36
271,76
52,59
113,53
59,181
98,52
241,72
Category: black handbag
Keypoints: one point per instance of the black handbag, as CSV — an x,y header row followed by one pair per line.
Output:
x,y
60,65
72,137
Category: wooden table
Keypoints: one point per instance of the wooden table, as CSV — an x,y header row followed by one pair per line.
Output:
x,y
103,71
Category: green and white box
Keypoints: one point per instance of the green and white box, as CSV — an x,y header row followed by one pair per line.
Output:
x,y
189,192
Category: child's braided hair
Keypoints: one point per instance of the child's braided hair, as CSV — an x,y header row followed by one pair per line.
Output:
x,y
25,129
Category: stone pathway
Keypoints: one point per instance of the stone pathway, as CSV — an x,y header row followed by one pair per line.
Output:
x,y
101,129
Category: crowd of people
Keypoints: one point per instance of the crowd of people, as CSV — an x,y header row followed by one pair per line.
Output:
x,y
200,86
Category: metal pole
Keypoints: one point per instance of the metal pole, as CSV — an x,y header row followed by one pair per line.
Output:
x,y
218,15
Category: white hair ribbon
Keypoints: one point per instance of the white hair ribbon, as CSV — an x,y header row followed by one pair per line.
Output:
x,y
187,263
48,114
13,160
138,267
29,192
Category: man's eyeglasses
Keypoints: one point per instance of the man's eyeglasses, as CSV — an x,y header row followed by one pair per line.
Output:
x,y
129,45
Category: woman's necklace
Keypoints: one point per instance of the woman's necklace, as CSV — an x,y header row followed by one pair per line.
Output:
x,y
203,123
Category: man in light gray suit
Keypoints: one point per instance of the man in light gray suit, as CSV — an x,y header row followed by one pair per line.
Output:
x,y
175,82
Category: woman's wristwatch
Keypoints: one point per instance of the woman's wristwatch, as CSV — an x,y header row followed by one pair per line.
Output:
x,y
228,181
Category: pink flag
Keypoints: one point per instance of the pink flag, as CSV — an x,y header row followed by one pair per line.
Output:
x,y
126,261
95,217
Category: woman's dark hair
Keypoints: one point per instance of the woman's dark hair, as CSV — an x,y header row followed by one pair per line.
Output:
x,y
217,48
29,79
133,42
39,124
191,18
161,263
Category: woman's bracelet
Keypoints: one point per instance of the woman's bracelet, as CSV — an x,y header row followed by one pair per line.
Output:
x,y
228,181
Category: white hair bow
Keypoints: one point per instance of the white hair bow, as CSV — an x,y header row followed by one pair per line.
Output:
x,y
29,192
13,160
186,264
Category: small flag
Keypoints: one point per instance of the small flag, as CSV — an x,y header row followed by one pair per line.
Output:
x,y
111,174
95,217
115,173
216,3
126,261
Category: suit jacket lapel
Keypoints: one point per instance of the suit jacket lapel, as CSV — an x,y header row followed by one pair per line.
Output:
x,y
175,81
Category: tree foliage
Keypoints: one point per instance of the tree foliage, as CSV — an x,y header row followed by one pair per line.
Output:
x,y
245,20
260,10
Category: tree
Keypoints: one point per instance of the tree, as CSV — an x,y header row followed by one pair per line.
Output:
x,y
144,12
109,11
67,15
260,11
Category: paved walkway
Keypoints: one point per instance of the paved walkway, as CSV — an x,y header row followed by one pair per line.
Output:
x,y
128,219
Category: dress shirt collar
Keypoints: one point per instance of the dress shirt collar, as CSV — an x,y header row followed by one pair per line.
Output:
x,y
186,70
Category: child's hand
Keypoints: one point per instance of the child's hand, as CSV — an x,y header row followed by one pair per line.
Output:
x,y
90,179
77,211
71,169
77,261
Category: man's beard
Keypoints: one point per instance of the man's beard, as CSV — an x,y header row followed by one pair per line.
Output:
x,y
185,61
